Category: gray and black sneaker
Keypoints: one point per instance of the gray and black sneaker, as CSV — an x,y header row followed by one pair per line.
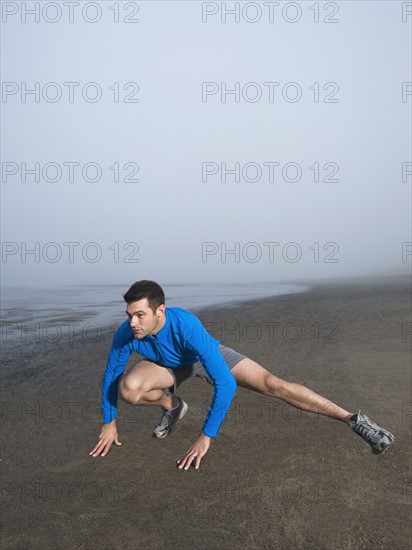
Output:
x,y
378,438
169,419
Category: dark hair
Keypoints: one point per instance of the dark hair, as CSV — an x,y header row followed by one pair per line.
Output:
x,y
145,289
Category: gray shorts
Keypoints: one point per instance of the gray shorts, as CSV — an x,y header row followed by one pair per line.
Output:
x,y
181,374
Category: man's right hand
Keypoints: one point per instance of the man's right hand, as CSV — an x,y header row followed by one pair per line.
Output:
x,y
107,437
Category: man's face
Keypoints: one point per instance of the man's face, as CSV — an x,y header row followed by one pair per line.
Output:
x,y
142,319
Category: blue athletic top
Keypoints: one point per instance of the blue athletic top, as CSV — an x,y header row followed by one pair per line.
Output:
x,y
181,341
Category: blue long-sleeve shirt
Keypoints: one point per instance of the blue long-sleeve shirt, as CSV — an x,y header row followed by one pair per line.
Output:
x,y
181,341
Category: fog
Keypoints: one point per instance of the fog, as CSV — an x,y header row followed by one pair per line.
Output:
x,y
269,144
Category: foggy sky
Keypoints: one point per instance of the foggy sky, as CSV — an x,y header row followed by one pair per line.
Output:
x,y
170,132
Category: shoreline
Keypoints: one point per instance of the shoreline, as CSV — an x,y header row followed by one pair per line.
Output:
x,y
22,327
70,327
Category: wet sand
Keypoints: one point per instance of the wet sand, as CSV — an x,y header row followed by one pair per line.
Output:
x,y
274,478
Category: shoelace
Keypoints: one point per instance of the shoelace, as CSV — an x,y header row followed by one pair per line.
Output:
x,y
363,427
167,415
165,419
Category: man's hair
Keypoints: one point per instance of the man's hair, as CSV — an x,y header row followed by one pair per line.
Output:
x,y
145,289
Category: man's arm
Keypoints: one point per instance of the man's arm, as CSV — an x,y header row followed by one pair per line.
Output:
x,y
116,363
224,390
214,364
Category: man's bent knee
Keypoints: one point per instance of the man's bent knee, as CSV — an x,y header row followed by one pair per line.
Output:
x,y
142,378
130,390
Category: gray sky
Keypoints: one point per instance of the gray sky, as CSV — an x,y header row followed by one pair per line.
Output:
x,y
182,225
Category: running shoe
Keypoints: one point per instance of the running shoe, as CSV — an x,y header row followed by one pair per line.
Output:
x,y
169,419
378,438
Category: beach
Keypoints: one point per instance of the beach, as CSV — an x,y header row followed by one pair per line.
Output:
x,y
274,478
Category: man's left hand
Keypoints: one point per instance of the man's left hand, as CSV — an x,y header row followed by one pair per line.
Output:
x,y
196,452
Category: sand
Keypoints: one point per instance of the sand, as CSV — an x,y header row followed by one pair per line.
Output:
x,y
274,478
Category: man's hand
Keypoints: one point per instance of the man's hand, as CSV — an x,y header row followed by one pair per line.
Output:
x,y
197,451
107,436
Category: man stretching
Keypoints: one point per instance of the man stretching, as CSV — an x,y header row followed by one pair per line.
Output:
x,y
176,346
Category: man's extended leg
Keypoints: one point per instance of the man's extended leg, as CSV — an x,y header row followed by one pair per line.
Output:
x,y
251,375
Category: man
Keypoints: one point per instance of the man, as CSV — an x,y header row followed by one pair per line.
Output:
x,y
175,346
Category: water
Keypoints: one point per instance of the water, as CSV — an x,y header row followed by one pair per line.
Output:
x,y
75,308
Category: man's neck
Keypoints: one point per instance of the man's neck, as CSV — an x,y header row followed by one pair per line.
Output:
x,y
160,325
